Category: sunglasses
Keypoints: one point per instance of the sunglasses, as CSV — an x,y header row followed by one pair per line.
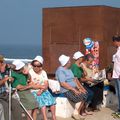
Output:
x,y
36,65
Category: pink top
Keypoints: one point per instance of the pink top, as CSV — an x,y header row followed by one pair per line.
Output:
x,y
116,60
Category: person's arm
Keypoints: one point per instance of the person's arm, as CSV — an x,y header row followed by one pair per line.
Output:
x,y
21,87
38,86
68,87
79,86
45,85
84,78
2,81
62,79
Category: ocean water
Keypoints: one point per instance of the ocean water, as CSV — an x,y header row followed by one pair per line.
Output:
x,y
20,51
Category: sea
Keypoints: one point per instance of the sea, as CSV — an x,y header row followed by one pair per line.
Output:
x,y
20,51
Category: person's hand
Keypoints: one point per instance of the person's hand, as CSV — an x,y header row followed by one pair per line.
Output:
x,y
77,92
44,87
31,85
11,79
39,92
90,79
6,78
83,91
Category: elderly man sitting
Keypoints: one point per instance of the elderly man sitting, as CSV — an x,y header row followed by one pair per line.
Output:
x,y
4,96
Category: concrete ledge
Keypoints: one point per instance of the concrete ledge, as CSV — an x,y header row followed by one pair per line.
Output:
x,y
63,107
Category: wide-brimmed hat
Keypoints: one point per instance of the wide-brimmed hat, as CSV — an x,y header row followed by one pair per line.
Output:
x,y
77,55
18,64
39,59
1,58
63,59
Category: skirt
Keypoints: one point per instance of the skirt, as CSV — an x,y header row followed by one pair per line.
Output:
x,y
28,100
45,99
75,98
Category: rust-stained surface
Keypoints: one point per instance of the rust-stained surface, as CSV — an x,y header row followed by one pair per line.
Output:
x,y
65,28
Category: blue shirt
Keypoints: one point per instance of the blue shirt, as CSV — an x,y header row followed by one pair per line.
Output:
x,y
65,75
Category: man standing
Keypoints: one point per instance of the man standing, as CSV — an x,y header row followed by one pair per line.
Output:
x,y
4,96
116,69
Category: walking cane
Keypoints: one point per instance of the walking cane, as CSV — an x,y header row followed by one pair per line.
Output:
x,y
9,95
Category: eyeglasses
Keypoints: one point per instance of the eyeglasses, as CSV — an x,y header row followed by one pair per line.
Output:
x,y
36,65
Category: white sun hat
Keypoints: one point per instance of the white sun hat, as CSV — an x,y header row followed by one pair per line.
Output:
x,y
63,59
18,64
39,59
77,55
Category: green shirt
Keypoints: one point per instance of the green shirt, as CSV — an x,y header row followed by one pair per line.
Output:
x,y
19,79
77,71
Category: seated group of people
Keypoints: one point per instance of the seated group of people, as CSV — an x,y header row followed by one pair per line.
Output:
x,y
31,83
75,83
32,88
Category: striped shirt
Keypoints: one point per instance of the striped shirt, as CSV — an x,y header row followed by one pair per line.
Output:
x,y
2,88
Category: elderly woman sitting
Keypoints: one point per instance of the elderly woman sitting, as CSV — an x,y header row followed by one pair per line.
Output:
x,y
39,81
21,84
70,86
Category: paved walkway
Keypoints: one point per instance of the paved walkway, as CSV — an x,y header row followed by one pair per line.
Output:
x,y
103,114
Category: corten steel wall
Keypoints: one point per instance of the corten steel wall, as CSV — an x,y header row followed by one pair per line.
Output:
x,y
65,28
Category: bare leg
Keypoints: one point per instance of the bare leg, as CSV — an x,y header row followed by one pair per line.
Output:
x,y
30,112
80,110
43,110
83,113
52,108
34,114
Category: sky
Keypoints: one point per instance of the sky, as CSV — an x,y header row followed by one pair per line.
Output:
x,y
21,20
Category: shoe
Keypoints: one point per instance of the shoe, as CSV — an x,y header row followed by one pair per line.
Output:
x,y
77,117
116,115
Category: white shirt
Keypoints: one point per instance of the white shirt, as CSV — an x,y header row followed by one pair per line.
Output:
x,y
38,78
116,60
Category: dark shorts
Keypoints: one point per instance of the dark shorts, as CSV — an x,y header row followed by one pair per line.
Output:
x,y
75,98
